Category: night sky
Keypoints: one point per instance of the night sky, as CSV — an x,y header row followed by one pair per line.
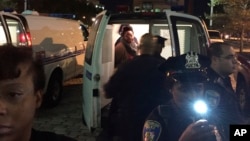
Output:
x,y
111,4
199,6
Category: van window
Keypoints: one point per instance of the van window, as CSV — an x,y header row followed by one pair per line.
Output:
x,y
189,35
14,31
91,40
3,39
214,34
17,33
163,30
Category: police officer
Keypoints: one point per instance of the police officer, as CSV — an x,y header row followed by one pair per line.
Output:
x,y
136,88
223,64
177,120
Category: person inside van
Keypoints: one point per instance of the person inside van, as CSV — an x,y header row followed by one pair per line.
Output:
x,y
22,81
120,32
126,47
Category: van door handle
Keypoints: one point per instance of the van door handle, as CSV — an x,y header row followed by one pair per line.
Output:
x,y
97,77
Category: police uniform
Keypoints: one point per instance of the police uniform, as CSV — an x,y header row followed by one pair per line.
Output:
x,y
136,89
167,122
228,108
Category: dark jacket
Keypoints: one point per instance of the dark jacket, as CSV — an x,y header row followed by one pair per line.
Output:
x,y
48,136
228,109
136,88
124,52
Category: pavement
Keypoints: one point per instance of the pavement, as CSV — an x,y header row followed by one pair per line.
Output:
x,y
66,118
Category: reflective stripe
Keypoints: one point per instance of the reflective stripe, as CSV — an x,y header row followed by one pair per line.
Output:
x,y
53,59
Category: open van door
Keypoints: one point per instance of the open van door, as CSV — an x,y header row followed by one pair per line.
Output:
x,y
184,32
93,73
12,30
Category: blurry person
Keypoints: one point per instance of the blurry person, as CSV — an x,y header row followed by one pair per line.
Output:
x,y
177,120
22,81
120,32
126,48
160,46
224,63
136,88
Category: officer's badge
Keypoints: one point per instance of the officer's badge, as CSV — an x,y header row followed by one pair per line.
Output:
x,y
213,98
151,130
192,61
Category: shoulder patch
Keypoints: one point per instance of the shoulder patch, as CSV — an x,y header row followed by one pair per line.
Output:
x,y
213,98
151,130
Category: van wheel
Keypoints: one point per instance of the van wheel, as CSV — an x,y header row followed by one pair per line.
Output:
x,y
243,97
54,91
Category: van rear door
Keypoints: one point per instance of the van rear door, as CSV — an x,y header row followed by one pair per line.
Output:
x,y
12,30
93,72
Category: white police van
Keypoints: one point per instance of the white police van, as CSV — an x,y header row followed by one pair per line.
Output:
x,y
59,42
184,32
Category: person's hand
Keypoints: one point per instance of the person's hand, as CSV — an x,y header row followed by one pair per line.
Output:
x,y
198,131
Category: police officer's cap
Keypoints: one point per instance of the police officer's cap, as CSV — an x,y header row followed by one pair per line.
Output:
x,y
160,40
189,67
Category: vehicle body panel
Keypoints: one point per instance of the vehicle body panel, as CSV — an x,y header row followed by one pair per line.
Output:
x,y
58,42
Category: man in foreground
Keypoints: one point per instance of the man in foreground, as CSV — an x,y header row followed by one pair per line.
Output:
x,y
224,63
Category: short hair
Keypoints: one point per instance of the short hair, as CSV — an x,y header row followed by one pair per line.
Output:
x,y
215,49
10,59
148,39
125,29
160,40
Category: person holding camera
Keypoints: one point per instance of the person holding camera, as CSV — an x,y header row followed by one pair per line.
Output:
x,y
178,119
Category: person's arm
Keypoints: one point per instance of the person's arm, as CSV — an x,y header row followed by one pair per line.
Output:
x,y
115,83
119,54
153,127
199,131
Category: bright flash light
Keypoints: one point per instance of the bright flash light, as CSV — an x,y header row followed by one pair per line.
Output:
x,y
200,107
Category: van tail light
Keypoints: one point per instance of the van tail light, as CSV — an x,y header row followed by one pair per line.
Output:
x,y
25,38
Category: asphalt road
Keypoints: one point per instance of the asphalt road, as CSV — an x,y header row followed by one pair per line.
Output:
x,y
66,118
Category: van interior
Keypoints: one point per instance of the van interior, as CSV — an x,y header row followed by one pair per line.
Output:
x,y
187,39
184,34
17,34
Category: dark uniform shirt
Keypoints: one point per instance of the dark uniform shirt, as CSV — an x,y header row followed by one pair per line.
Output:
x,y
168,122
48,136
136,88
228,109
